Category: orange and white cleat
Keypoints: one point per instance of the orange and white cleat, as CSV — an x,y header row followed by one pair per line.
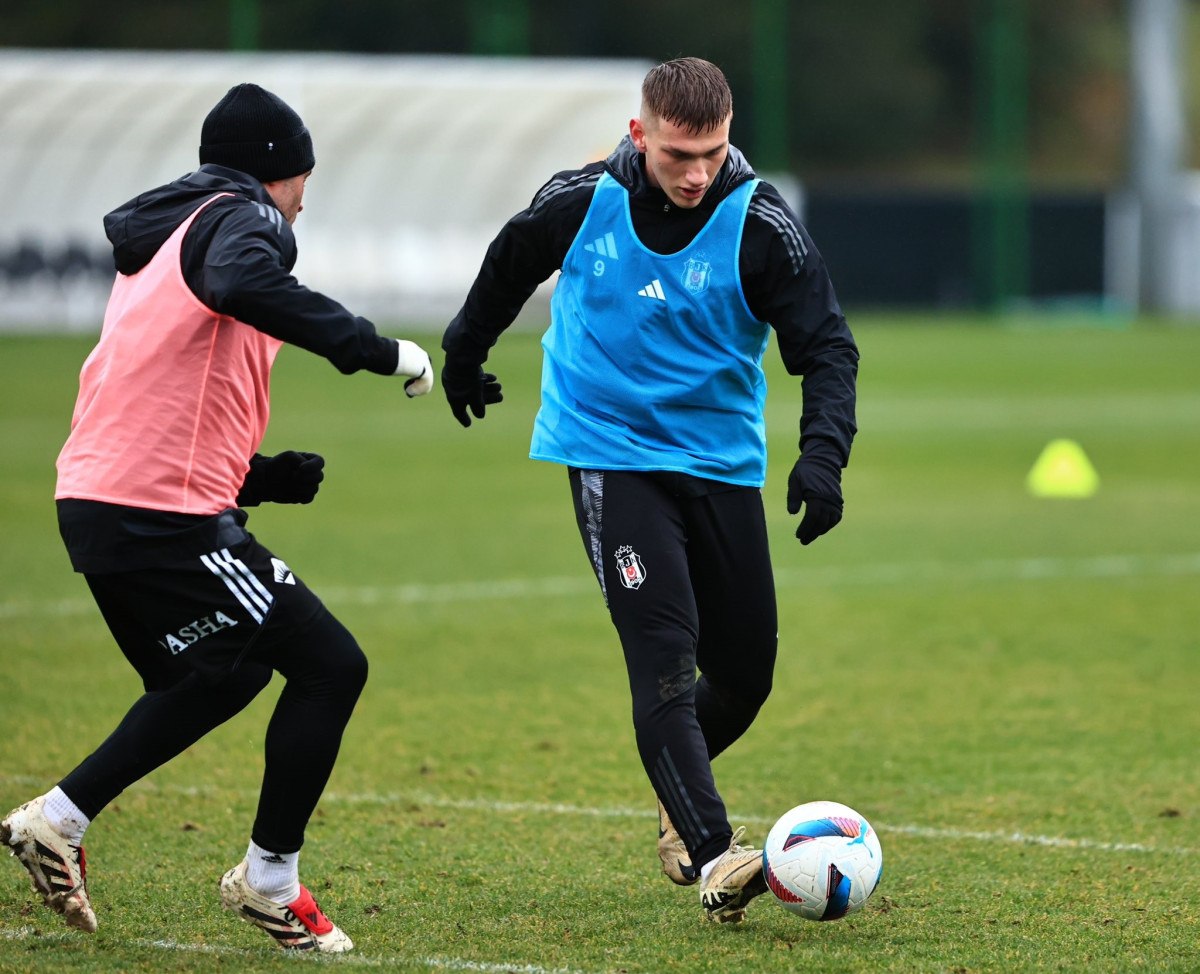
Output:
x,y
300,925
57,868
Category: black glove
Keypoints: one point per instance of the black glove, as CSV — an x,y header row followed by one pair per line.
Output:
x,y
475,389
817,484
287,478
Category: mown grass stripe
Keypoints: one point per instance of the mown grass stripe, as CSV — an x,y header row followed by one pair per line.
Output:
x,y
898,573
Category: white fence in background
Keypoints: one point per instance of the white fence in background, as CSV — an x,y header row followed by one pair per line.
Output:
x,y
419,162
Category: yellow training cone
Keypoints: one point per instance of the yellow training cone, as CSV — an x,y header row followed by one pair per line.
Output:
x,y
1063,470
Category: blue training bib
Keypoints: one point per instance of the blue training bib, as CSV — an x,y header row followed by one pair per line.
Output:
x,y
653,361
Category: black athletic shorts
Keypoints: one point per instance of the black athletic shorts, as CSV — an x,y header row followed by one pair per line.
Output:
x,y
202,613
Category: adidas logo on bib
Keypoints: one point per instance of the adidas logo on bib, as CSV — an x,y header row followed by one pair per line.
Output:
x,y
653,290
605,246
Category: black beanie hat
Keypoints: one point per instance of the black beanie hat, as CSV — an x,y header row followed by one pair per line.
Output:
x,y
255,132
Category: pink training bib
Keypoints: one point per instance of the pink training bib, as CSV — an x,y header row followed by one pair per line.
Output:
x,y
173,400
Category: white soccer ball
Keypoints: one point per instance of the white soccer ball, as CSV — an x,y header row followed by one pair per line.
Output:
x,y
822,860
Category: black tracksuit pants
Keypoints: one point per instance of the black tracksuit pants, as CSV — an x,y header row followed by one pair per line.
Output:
x,y
685,570
205,634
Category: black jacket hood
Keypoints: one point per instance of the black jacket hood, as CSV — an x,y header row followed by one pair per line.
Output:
x,y
138,229
626,166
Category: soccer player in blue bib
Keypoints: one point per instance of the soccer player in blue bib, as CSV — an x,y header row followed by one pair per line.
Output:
x,y
677,263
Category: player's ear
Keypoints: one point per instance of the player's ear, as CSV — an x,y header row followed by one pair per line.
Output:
x,y
637,132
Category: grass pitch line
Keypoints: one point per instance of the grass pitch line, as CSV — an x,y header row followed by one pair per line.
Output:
x,y
899,573
354,959
358,959
559,808
1023,838
917,831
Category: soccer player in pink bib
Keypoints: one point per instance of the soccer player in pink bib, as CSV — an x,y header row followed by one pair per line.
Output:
x,y
153,480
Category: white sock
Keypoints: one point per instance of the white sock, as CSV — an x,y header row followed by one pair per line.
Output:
x,y
275,875
707,868
64,816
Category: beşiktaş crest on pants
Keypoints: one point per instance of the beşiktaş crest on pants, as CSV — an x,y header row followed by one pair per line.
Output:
x,y
629,562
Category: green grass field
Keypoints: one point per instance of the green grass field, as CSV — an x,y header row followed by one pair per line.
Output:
x,y
1006,686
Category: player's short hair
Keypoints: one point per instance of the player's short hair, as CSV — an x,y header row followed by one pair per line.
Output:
x,y
688,91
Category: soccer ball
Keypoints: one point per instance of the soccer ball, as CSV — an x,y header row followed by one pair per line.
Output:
x,y
822,860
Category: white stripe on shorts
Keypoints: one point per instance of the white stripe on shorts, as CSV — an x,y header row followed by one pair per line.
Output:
x,y
254,596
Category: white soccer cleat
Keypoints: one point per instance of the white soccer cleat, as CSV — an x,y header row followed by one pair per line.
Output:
x,y
57,868
300,925
735,879
676,860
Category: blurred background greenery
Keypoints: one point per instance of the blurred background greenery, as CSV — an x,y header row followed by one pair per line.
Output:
x,y
944,153
874,90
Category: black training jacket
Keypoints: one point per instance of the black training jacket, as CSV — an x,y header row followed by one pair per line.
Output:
x,y
783,276
237,258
